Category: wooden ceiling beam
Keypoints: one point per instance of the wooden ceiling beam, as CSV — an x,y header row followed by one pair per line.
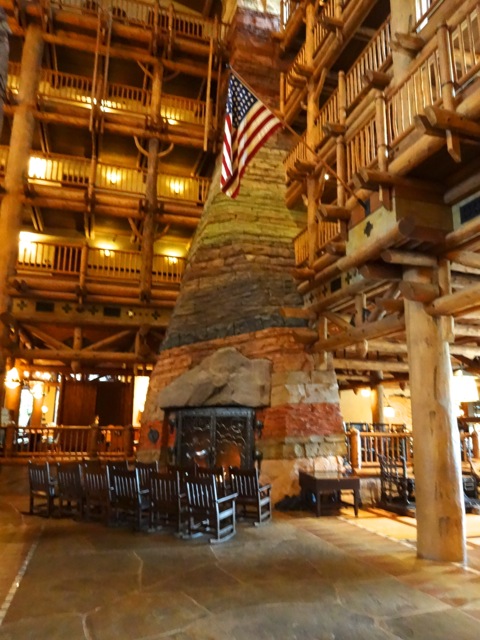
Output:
x,y
108,342
47,339
408,258
451,121
459,302
387,326
465,258
67,355
370,365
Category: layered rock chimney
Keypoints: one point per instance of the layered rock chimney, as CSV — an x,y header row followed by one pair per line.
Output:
x,y
237,280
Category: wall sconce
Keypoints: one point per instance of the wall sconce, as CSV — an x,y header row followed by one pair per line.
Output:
x,y
365,392
389,412
12,378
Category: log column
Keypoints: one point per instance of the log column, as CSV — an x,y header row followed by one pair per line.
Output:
x,y
148,236
402,20
438,474
312,111
17,166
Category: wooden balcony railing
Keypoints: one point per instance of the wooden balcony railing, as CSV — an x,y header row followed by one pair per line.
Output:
x,y
374,58
363,447
424,9
73,171
142,14
68,443
72,89
287,9
66,260
326,232
361,148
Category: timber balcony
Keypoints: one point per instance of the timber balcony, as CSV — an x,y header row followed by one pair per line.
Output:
x,y
66,98
62,271
370,126
118,189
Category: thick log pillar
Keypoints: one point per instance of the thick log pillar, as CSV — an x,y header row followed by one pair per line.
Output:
x,y
438,474
17,166
4,55
378,403
148,236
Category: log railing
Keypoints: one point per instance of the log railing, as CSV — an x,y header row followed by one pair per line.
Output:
x,y
374,58
328,113
361,148
68,443
465,42
363,447
424,9
73,171
142,14
72,89
60,259
325,232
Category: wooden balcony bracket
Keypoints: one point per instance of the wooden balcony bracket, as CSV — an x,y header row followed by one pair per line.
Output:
x,y
334,129
376,79
330,212
407,42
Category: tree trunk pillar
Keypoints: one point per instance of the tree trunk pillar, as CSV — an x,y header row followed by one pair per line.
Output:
x,y
402,20
17,167
437,463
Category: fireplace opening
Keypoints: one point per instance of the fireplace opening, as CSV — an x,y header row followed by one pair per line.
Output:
x,y
215,436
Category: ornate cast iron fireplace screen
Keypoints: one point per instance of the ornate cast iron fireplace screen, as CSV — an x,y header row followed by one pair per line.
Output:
x,y
215,436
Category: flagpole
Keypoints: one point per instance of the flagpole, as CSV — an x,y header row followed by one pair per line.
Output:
x,y
285,125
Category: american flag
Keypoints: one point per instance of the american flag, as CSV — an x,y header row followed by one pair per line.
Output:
x,y
248,125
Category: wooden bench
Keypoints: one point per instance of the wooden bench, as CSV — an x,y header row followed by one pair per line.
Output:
x,y
253,499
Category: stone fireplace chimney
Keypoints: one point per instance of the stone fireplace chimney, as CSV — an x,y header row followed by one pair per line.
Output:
x,y
237,280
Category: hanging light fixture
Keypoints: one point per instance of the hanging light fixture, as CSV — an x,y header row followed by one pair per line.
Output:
x,y
389,412
464,388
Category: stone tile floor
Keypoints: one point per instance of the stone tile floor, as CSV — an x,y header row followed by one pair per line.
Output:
x,y
300,577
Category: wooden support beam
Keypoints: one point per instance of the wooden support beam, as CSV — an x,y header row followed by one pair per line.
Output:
x,y
49,340
408,258
337,320
465,258
370,365
108,342
68,355
372,179
449,120
391,306
298,313
379,271
387,326
408,42
303,335
334,129
459,302
302,274
419,291
332,212
376,79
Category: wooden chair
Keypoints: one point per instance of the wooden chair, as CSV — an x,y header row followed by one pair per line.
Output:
x,y
98,493
253,499
128,498
397,489
207,513
42,487
216,472
167,504
70,487
145,470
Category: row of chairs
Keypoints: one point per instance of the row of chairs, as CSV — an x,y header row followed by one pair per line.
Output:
x,y
192,500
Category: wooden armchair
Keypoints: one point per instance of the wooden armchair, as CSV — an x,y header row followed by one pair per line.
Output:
x,y
145,470
98,493
167,503
42,487
253,498
207,513
128,498
397,488
70,487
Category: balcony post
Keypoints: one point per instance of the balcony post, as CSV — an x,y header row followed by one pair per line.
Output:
x,y
148,236
312,111
355,449
17,167
447,78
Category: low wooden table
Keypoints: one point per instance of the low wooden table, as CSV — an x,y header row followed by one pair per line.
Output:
x,y
329,482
